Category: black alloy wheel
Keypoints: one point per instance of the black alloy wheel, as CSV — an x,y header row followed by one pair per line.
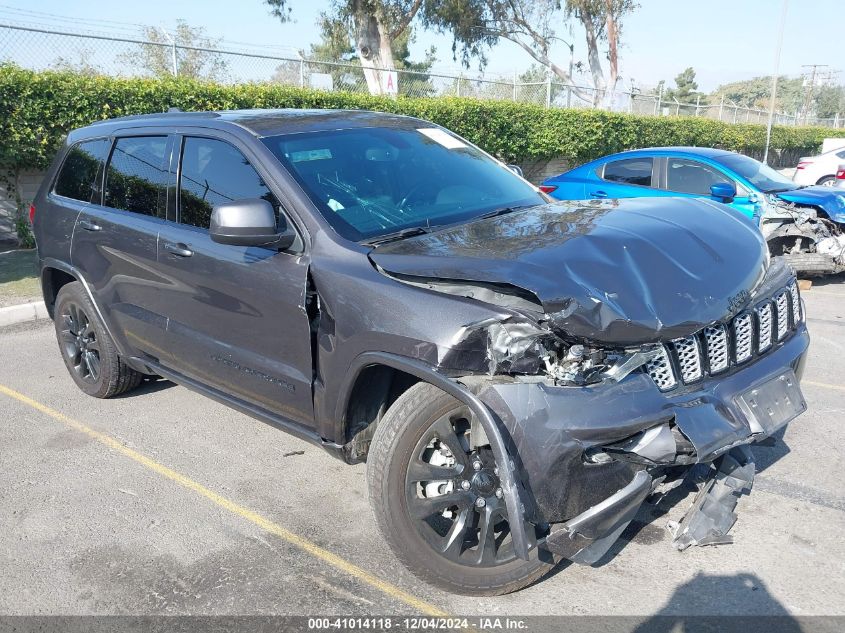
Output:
x,y
79,342
455,497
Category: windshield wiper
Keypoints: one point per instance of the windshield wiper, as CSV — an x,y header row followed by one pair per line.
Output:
x,y
396,235
781,189
504,210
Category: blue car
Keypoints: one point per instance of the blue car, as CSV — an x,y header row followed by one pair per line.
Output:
x,y
791,217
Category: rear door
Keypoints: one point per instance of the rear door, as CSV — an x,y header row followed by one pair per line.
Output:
x,y
236,315
72,192
115,241
624,178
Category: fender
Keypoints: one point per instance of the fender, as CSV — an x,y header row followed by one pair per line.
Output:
x,y
49,262
460,392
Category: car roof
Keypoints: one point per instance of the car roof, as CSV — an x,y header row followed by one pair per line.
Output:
x,y
707,152
258,122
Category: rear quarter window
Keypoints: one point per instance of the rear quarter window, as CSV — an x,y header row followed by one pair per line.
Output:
x,y
80,168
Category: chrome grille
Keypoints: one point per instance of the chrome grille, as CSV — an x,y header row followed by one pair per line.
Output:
x,y
723,344
689,358
796,302
764,326
661,372
716,341
782,302
743,337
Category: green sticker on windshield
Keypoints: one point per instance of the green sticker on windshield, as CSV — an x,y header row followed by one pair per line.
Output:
x,y
310,154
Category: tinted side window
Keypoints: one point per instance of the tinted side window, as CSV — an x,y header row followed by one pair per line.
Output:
x,y
137,175
214,172
690,176
631,171
82,163
840,154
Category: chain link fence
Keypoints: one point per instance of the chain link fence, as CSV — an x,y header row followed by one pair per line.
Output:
x,y
39,48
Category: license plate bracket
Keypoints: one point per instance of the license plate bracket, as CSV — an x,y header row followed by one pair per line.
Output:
x,y
773,403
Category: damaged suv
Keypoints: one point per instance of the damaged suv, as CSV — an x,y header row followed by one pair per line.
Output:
x,y
519,374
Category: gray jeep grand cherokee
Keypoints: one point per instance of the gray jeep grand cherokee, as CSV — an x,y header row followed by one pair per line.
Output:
x,y
519,375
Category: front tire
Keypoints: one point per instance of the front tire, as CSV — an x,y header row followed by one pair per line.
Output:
x,y
87,349
425,487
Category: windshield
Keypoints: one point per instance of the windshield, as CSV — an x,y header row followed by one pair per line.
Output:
x,y
761,176
369,182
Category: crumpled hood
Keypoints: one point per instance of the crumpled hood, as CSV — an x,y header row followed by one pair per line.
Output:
x,y
616,271
828,198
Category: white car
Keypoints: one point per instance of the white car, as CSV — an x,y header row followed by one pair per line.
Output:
x,y
819,170
840,177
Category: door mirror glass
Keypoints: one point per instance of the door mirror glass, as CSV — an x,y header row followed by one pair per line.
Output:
x,y
723,192
249,222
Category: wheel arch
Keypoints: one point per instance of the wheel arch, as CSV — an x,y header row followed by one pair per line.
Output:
x,y
56,274
426,373
53,277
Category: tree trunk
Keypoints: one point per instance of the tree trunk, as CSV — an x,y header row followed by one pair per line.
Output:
x,y
612,49
593,56
372,42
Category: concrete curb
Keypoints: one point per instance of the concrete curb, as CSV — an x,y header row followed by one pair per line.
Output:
x,y
24,312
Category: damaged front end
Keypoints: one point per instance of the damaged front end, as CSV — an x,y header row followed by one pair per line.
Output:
x,y
810,242
607,381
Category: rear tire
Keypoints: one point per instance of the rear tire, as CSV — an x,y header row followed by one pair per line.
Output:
x,y
827,181
461,548
87,349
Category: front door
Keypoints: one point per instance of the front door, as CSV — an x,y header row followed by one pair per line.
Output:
x,y
685,176
236,315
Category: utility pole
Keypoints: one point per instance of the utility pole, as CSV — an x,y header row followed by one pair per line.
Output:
x,y
808,92
774,83
172,50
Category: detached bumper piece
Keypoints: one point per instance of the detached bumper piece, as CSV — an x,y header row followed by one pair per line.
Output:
x,y
711,515
587,537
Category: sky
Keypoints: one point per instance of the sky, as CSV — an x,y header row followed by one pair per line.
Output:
x,y
723,40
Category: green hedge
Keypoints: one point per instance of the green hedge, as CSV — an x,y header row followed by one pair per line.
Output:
x,y
39,108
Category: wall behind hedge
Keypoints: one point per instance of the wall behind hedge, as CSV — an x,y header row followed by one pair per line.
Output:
x,y
38,108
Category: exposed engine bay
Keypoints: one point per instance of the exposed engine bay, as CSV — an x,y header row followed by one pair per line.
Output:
x,y
810,242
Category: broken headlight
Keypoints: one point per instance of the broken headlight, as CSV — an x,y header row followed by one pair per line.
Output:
x,y
581,365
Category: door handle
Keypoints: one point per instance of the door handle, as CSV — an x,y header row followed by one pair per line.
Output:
x,y
90,226
180,250
598,194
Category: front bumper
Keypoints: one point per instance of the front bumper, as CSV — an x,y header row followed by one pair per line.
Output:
x,y
551,430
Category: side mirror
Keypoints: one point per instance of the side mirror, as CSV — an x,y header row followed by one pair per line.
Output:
x,y
517,170
723,192
249,222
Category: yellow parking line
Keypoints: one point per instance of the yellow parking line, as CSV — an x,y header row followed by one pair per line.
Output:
x,y
823,384
273,528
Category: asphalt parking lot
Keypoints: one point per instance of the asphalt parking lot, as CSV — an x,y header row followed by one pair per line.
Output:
x,y
164,502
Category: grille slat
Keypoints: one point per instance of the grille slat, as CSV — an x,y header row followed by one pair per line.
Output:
x,y
660,370
722,343
782,303
764,326
796,302
743,337
689,358
718,354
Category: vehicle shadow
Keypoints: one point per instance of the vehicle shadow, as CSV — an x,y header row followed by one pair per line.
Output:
x,y
149,385
827,280
725,603
770,451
